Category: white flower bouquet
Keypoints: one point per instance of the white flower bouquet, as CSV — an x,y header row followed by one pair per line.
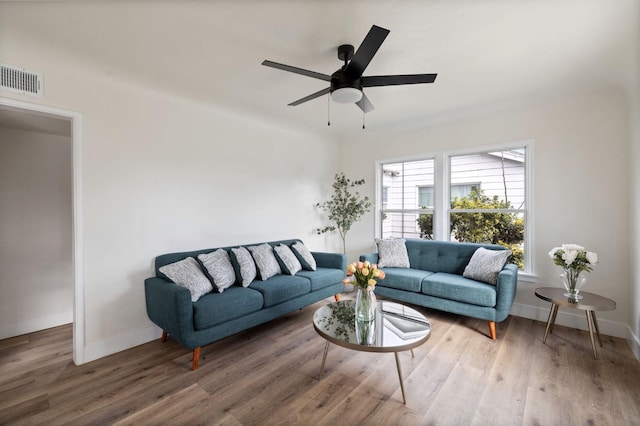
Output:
x,y
573,259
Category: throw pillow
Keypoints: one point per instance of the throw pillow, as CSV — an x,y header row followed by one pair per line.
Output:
x,y
265,261
219,267
289,260
247,266
485,265
304,256
393,253
187,273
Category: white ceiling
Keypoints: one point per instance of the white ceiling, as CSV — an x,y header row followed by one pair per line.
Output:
x,y
486,52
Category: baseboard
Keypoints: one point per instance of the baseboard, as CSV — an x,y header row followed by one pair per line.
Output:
x,y
570,318
19,328
119,343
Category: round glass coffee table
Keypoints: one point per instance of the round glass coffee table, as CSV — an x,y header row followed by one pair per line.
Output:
x,y
396,328
590,303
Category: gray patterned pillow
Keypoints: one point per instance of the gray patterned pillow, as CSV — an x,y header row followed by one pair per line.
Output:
x,y
304,256
247,265
289,260
265,261
219,267
187,273
486,264
393,253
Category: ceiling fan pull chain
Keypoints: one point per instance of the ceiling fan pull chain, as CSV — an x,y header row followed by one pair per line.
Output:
x,y
328,110
362,119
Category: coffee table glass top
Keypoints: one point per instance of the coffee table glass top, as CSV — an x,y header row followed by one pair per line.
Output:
x,y
396,327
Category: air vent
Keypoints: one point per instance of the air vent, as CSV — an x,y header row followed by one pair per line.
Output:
x,y
19,80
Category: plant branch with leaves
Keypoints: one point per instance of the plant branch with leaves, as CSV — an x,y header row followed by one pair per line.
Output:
x,y
345,207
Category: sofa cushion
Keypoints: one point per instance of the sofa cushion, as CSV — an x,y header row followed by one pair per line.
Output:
x,y
322,277
392,253
246,266
217,308
187,273
455,287
440,256
266,261
281,288
404,279
485,265
289,262
218,265
304,256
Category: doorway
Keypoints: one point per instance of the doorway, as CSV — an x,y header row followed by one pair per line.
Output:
x,y
47,126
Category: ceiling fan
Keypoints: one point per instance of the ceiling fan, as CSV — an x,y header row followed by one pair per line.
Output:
x,y
346,84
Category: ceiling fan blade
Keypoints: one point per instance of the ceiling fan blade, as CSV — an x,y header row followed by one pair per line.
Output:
x,y
296,70
311,96
366,51
393,80
364,104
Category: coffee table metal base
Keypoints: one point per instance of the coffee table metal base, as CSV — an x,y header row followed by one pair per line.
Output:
x,y
404,398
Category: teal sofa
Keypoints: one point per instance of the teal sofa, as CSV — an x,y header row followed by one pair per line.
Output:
x,y
435,280
215,315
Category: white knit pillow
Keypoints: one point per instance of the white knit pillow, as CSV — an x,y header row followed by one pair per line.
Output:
x,y
393,253
304,256
289,260
265,261
219,267
247,265
485,265
187,273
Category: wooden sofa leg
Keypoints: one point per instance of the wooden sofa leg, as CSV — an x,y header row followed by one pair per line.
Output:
x,y
163,339
196,358
337,297
492,329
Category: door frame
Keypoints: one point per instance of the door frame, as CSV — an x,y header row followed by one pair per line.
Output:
x,y
75,119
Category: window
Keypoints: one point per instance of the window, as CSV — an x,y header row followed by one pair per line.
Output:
x,y
476,197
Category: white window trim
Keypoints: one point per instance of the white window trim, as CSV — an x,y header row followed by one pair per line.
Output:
x,y
441,194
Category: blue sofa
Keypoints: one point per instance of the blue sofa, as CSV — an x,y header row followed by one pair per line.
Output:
x,y
435,280
215,315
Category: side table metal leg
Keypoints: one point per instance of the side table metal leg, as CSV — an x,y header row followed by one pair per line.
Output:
x,y
595,325
552,318
593,342
404,399
324,359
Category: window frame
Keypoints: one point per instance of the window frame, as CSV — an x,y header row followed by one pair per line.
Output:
x,y
441,195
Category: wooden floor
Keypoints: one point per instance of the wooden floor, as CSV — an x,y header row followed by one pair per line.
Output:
x,y
268,376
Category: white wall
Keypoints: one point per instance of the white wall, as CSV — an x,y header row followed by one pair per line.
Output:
x,y
36,285
581,186
163,174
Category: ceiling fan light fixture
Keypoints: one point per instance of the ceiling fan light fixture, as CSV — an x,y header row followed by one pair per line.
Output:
x,y
346,95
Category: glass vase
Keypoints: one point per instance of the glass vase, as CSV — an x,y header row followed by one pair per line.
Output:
x,y
365,309
573,283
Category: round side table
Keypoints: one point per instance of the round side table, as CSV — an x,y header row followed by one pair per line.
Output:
x,y
590,303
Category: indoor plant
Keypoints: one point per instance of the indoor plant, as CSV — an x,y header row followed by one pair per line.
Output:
x,y
345,207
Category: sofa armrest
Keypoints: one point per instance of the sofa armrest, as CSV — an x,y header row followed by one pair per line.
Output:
x,y
506,291
169,306
330,260
371,257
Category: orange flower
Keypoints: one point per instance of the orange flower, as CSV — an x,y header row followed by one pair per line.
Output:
x,y
381,275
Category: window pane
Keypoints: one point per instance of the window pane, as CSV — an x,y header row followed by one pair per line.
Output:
x,y
401,225
425,196
403,179
496,174
506,229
